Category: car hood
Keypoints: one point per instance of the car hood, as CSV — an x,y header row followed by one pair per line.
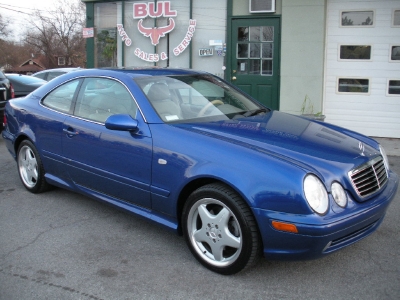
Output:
x,y
315,146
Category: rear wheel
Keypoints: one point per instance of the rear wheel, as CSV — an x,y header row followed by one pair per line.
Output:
x,y
220,229
30,168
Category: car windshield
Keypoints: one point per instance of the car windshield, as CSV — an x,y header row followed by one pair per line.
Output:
x,y
196,97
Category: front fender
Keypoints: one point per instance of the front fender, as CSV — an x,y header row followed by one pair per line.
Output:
x,y
264,181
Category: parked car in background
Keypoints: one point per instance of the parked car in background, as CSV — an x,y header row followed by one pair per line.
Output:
x,y
192,152
24,84
6,93
53,73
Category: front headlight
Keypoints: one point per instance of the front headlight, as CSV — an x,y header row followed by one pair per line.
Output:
x,y
339,194
385,158
316,194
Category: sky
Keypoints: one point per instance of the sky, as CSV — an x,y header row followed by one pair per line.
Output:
x,y
19,11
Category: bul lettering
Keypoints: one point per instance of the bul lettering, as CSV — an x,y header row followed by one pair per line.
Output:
x,y
163,9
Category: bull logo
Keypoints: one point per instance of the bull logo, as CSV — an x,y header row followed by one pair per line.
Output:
x,y
156,33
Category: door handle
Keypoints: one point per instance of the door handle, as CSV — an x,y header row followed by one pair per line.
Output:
x,y
70,132
234,78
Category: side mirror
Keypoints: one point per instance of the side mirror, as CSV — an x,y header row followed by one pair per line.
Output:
x,y
122,123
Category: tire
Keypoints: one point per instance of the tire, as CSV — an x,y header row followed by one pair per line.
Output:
x,y
220,229
30,168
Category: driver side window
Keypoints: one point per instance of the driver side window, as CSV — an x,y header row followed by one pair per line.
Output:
x,y
100,98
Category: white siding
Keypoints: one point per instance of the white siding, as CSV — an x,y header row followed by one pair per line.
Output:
x,y
376,113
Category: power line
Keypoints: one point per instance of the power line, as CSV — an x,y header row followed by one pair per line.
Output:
x,y
2,5
18,11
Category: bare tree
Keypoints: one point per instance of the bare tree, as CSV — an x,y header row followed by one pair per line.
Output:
x,y
3,27
57,32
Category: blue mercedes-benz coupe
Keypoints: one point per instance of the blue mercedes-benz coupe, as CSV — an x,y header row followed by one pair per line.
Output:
x,y
190,151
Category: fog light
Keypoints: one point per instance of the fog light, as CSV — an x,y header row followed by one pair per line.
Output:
x,y
284,227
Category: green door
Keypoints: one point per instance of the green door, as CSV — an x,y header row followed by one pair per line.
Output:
x,y
254,59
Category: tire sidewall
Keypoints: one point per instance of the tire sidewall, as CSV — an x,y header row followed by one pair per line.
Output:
x,y
40,184
247,241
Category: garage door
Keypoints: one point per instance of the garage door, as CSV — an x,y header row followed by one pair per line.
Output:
x,y
362,74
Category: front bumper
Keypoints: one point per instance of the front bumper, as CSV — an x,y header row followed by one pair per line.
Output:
x,y
319,236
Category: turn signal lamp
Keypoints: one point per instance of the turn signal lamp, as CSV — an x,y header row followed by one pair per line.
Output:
x,y
284,227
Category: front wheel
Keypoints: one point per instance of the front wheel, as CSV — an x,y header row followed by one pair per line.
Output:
x,y
30,168
220,229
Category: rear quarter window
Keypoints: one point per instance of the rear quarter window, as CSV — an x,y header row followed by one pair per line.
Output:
x,y
62,97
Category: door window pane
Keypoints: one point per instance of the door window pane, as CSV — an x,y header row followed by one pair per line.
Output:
x,y
395,53
100,98
352,85
242,50
267,50
357,18
268,34
355,52
254,67
396,17
255,34
243,34
255,51
394,87
266,67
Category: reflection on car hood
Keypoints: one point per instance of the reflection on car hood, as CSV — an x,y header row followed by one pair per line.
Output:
x,y
310,144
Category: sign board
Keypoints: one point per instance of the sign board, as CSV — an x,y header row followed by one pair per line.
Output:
x,y
88,32
206,52
215,43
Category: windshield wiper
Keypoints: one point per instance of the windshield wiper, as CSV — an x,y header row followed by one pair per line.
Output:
x,y
251,113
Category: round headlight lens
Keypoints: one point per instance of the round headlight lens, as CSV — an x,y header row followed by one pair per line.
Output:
x,y
339,194
316,194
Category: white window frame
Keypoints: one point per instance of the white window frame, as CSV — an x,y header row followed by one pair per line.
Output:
x,y
392,21
387,88
358,10
61,58
352,77
273,8
354,60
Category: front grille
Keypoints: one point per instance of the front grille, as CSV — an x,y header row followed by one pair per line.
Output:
x,y
370,177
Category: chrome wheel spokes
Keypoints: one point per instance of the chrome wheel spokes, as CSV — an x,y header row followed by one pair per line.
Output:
x,y
28,167
215,232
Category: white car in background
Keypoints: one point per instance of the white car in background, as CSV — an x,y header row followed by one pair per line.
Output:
x,y
53,73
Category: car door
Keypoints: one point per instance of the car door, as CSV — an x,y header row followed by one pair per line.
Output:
x,y
59,103
110,162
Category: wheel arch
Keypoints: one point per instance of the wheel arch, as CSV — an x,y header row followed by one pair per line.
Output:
x,y
19,140
193,185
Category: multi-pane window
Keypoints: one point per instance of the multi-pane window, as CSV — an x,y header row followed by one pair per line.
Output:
x,y
355,52
61,61
353,85
357,18
255,50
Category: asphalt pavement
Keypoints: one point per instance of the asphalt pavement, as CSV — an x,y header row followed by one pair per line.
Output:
x,y
61,245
